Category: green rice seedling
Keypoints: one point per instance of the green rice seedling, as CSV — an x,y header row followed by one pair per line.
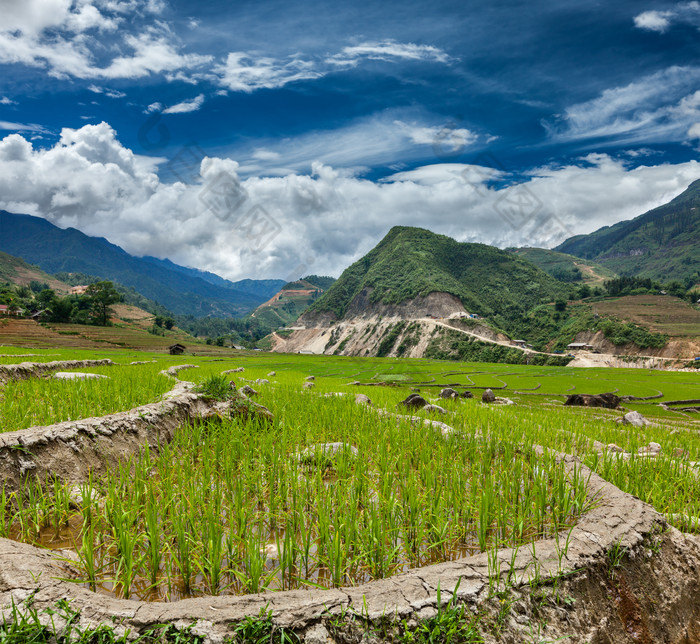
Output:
x,y
153,534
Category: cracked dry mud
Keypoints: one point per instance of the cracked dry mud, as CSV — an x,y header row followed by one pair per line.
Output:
x,y
653,597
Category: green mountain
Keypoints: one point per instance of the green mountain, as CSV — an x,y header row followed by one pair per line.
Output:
x,y
411,262
565,268
181,290
291,301
661,244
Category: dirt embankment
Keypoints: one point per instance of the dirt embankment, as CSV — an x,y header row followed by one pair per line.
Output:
x,y
33,369
683,349
362,307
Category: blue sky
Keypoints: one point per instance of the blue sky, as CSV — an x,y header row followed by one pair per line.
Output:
x,y
511,123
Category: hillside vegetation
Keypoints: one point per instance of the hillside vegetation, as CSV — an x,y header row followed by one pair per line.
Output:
x,y
661,244
411,262
565,268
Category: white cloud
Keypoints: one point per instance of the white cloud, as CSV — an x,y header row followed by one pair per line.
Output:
x,y
7,101
653,20
660,21
247,72
388,50
377,140
186,106
111,93
90,181
694,131
21,127
66,37
659,107
153,107
266,155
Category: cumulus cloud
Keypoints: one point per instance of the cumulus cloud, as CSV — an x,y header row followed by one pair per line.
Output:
x,y
90,181
653,20
186,106
660,21
65,37
7,101
658,107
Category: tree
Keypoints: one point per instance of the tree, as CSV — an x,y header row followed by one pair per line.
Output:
x,y
560,305
101,296
169,323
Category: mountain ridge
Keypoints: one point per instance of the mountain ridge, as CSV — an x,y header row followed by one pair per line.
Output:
x,y
180,289
660,243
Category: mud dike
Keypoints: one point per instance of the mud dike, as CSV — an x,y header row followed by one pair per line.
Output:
x,y
620,575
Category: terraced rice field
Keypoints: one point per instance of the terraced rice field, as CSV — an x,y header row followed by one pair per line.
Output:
x,y
245,505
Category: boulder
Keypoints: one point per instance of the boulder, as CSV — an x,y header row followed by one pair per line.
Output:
x,y
361,399
414,401
310,378
466,394
635,418
308,385
448,392
248,390
607,400
76,375
271,374
434,409
488,396
503,401
262,381
652,449
611,447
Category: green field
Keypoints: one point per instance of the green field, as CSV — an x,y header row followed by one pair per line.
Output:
x,y
233,508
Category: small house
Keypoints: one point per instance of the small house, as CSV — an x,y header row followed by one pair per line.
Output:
x,y
176,349
5,310
579,346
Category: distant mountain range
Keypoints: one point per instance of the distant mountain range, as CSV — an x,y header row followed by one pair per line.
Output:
x,y
182,290
663,243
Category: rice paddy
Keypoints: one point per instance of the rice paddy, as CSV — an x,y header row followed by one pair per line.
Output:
x,y
243,506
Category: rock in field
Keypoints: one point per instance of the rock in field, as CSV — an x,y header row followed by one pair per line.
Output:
x,y
448,392
652,449
635,418
76,375
466,394
488,396
607,400
361,399
434,409
271,374
308,385
310,378
262,381
414,401
248,390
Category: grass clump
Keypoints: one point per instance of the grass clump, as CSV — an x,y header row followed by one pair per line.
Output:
x,y
216,387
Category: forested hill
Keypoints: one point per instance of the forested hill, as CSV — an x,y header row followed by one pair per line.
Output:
x,y
410,262
661,244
